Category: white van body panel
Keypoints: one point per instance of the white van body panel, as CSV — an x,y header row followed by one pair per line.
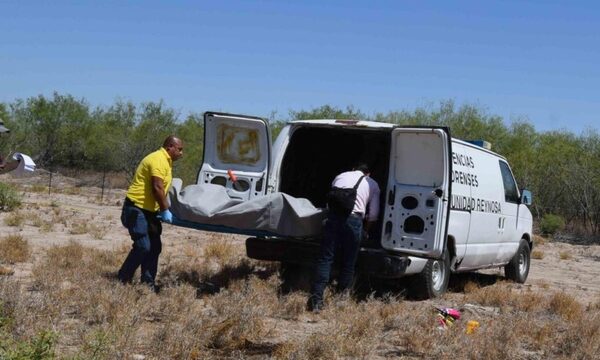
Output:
x,y
479,170
479,204
460,215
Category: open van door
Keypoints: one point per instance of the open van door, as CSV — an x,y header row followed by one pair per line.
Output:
x,y
419,186
237,153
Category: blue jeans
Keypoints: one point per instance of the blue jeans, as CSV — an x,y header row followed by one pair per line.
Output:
x,y
145,230
341,238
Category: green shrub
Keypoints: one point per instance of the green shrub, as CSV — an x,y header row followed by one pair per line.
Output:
x,y
10,199
551,224
39,347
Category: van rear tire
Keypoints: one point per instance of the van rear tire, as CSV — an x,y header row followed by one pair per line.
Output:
x,y
432,282
518,267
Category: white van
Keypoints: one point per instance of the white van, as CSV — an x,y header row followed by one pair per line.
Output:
x,y
447,205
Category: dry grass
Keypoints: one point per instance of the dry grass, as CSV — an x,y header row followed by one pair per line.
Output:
x,y
35,219
566,306
222,251
71,190
46,226
15,218
58,216
565,255
79,228
5,270
539,240
291,306
498,295
543,284
76,307
353,330
98,232
529,302
13,249
38,188
537,254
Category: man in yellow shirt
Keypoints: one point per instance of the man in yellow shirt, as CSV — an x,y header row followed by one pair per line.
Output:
x,y
145,205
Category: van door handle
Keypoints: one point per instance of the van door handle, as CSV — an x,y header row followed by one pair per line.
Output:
x,y
501,223
392,196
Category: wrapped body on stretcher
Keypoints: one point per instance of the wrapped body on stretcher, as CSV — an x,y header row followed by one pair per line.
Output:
x,y
209,207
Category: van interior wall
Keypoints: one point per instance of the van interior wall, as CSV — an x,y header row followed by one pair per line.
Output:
x,y
315,156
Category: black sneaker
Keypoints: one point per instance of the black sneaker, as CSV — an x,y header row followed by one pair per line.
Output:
x,y
154,288
207,288
314,306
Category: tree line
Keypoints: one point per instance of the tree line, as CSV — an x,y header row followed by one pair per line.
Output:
x,y
561,168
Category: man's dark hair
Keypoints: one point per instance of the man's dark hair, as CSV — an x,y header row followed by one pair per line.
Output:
x,y
362,167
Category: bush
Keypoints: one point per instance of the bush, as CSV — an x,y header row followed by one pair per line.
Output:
x,y
10,199
551,224
41,346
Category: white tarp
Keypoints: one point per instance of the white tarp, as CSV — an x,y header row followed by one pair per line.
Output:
x,y
277,213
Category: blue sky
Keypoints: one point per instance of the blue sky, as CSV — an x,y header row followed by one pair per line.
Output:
x,y
538,60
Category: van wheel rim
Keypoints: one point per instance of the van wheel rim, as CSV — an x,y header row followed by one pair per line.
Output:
x,y
437,275
522,263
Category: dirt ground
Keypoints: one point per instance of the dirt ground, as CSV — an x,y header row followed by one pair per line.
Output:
x,y
555,266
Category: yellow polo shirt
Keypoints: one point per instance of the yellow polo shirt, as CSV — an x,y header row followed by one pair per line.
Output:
x,y
158,164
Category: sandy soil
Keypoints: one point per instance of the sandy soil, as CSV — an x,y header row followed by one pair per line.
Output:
x,y
555,266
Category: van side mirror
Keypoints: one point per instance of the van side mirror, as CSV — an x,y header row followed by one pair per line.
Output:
x,y
526,197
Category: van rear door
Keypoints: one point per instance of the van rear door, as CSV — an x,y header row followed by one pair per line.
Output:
x,y
237,153
416,210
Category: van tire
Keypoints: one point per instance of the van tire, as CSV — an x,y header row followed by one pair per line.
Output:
x,y
518,267
432,282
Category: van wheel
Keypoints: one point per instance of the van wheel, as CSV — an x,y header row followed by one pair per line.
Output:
x,y
432,282
518,268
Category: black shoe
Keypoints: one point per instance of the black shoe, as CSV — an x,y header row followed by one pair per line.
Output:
x,y
155,288
314,306
207,288
123,279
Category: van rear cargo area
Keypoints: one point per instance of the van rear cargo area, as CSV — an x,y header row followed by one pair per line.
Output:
x,y
316,155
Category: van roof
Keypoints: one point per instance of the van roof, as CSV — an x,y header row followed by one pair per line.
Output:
x,y
345,122
478,147
375,125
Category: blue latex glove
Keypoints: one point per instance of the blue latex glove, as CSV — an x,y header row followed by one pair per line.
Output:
x,y
166,216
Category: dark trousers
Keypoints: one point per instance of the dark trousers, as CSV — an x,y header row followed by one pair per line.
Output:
x,y
145,230
341,238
